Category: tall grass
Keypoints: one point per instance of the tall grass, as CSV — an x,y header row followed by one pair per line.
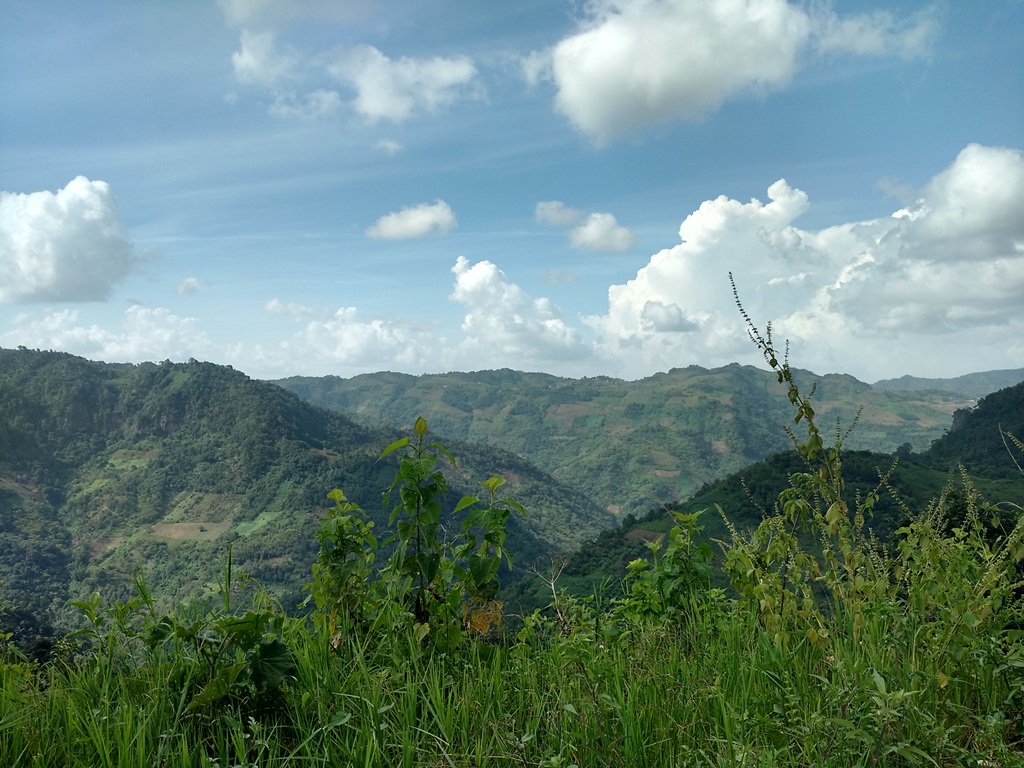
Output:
x,y
714,689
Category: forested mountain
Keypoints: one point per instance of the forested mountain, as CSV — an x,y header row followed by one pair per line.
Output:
x,y
972,385
632,444
977,445
108,468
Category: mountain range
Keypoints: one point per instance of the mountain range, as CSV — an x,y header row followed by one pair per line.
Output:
x,y
108,471
631,445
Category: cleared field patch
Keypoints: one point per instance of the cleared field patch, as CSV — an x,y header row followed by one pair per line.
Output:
x,y
126,459
192,506
204,531
251,526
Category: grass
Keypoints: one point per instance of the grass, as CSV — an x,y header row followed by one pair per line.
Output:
x,y
712,689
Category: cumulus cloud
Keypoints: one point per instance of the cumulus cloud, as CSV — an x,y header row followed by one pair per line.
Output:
x,y
949,266
302,80
635,63
504,323
146,334
415,221
601,232
67,245
396,89
589,232
346,339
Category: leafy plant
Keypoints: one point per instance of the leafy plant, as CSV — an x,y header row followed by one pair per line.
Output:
x,y
674,580
443,584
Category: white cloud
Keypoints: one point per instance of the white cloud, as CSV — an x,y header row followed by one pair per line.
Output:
x,y
556,213
415,221
63,246
258,62
314,105
665,318
278,307
346,339
949,267
596,232
601,232
503,323
396,89
877,34
635,63
980,194
147,334
189,286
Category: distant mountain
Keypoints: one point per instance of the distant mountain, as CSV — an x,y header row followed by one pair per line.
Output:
x,y
109,469
971,385
633,444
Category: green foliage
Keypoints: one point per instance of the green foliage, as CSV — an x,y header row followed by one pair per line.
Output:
x,y
671,583
221,662
441,586
344,567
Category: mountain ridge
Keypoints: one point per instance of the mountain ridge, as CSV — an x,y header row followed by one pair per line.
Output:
x,y
631,444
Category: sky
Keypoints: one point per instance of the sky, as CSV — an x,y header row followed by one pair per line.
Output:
x,y
311,187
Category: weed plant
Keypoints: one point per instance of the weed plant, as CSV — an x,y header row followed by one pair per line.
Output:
x,y
858,655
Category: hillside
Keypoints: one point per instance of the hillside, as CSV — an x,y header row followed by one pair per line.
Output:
x,y
917,479
631,445
108,468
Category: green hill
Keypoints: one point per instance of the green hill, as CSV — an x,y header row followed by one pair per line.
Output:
x,y
631,445
917,479
105,469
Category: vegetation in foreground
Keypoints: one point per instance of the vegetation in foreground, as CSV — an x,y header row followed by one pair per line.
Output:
x,y
851,655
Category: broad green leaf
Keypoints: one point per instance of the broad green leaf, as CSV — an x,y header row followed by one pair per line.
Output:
x,y
395,446
466,501
493,483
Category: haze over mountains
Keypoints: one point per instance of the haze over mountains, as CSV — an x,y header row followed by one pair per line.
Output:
x,y
106,469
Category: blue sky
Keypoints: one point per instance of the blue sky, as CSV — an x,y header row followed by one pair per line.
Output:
x,y
314,187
